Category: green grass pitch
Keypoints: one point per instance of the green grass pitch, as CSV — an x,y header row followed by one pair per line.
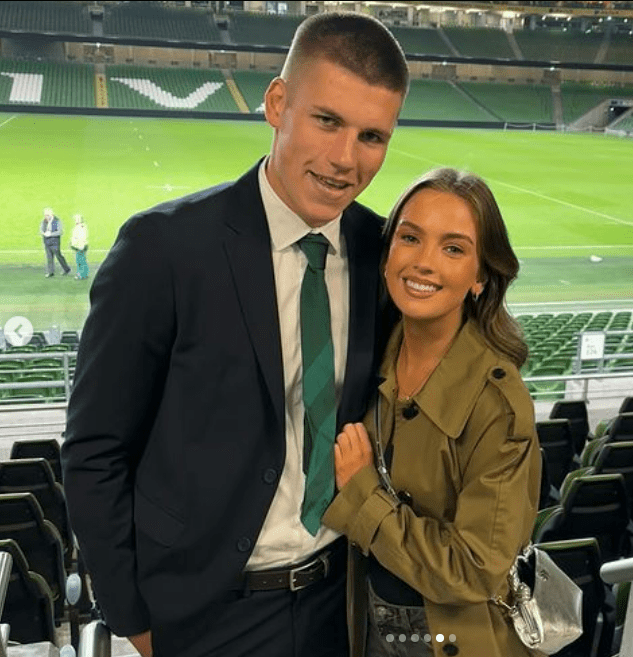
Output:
x,y
565,197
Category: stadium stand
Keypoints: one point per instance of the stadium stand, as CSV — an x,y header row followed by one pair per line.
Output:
x,y
134,87
541,45
480,42
579,98
421,40
620,49
149,20
32,16
46,83
430,99
263,30
625,124
515,103
253,84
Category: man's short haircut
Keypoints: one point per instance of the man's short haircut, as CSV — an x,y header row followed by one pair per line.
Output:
x,y
357,42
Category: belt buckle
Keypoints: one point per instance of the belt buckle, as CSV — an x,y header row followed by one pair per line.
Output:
x,y
321,558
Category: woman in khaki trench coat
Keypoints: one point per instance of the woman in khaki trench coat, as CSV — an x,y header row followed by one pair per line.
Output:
x,y
457,430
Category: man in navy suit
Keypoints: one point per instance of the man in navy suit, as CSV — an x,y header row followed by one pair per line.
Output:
x,y
184,445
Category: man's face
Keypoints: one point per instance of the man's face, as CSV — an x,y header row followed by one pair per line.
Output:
x,y
331,134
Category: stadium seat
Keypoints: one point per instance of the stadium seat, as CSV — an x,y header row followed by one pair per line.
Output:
x,y
46,448
36,476
580,559
604,426
11,368
70,338
555,438
22,520
55,348
547,390
621,593
576,412
617,457
28,606
591,505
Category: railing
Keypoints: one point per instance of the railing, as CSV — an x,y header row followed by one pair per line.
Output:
x,y
65,367
95,640
585,379
68,372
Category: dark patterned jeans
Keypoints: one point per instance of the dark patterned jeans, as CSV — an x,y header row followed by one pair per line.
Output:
x,y
396,631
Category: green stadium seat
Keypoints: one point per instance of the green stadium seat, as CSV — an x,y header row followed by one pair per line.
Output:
x,y
480,42
152,21
421,40
261,29
433,99
513,103
550,46
252,85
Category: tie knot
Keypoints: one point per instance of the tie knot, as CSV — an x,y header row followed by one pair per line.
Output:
x,y
315,246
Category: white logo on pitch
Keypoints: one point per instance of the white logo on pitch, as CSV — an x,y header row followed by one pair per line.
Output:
x,y
18,331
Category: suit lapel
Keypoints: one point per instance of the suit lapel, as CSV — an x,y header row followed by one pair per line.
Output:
x,y
363,253
247,244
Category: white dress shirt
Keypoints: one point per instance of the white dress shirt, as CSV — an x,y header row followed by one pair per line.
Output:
x,y
283,539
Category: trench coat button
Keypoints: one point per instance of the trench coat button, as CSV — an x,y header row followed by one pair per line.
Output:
x,y
498,373
244,544
270,475
450,649
409,412
405,497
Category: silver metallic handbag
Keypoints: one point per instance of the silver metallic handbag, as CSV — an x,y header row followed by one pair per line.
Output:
x,y
546,605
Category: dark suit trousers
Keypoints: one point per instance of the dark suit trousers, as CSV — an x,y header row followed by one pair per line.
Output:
x,y
281,623
52,248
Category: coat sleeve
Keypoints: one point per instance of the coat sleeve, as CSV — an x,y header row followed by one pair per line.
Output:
x,y
121,367
465,558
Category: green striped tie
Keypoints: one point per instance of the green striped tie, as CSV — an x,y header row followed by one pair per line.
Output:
x,y
318,384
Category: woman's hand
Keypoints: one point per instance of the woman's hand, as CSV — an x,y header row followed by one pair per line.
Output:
x,y
352,452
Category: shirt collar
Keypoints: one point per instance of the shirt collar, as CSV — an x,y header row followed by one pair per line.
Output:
x,y
286,227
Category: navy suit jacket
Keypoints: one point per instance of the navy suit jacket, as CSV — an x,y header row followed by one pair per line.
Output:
x,y
176,437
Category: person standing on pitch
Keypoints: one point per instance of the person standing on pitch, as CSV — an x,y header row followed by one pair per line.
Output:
x,y
51,232
231,334
79,244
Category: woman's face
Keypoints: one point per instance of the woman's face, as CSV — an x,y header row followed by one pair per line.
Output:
x,y
433,259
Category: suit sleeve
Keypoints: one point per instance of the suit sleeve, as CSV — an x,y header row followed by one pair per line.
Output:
x,y
121,367
466,559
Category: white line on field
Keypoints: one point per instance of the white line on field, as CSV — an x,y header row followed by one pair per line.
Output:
x,y
529,191
15,116
18,251
595,247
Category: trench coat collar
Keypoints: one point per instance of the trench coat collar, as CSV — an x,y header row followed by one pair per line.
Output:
x,y
449,395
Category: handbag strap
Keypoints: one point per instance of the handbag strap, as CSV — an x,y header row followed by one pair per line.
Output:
x,y
383,471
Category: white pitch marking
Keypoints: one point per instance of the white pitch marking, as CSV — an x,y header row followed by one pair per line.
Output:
x,y
529,191
565,282
168,187
571,246
15,116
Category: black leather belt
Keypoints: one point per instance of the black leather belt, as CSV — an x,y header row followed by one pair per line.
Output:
x,y
298,577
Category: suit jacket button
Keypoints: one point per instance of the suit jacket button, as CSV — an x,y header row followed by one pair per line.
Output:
x,y
270,476
498,373
405,497
450,649
244,544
